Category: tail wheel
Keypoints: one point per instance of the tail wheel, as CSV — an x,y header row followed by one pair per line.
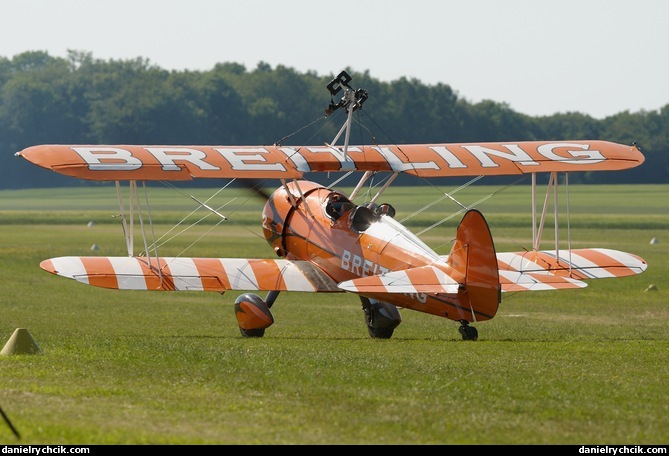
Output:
x,y
253,315
468,332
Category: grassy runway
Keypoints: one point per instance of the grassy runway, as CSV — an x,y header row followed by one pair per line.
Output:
x,y
586,366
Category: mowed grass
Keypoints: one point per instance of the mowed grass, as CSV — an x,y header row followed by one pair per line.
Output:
x,y
587,366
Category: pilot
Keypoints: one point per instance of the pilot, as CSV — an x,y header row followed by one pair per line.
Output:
x,y
337,205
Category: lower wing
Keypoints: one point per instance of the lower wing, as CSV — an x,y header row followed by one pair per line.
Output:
x,y
519,271
199,274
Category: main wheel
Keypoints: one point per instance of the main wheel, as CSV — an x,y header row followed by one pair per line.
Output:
x,y
252,332
381,318
253,315
380,333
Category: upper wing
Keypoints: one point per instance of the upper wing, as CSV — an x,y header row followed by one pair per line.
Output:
x,y
134,162
542,270
183,274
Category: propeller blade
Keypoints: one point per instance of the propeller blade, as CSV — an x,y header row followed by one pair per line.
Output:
x,y
256,187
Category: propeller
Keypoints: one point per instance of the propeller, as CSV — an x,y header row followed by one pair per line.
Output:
x,y
256,187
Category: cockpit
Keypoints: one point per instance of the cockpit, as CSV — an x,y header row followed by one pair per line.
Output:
x,y
337,205
362,216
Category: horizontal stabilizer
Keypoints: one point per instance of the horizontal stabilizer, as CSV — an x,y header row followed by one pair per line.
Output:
x,y
424,279
542,270
536,281
581,264
200,274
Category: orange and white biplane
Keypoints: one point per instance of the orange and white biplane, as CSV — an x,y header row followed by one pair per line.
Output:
x,y
326,243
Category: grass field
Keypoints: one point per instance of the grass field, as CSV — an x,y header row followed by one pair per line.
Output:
x,y
586,366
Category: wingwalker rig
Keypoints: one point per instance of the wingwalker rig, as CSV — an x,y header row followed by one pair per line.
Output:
x,y
326,243
351,101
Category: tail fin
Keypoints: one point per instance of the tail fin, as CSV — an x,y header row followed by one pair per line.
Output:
x,y
473,255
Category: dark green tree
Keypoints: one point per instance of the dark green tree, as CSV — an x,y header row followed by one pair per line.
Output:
x,y
80,99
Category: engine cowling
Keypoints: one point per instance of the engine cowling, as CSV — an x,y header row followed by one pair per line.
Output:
x,y
279,209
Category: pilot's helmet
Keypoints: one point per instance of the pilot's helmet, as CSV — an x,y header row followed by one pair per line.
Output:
x,y
337,201
337,205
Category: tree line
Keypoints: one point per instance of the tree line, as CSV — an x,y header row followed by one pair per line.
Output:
x,y
82,100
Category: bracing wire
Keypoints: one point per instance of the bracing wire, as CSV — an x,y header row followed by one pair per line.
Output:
x,y
476,203
163,240
160,241
443,197
278,143
464,208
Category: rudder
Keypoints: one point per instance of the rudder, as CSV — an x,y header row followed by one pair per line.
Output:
x,y
473,255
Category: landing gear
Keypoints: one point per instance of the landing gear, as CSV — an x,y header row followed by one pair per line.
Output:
x,y
253,314
381,318
252,332
468,332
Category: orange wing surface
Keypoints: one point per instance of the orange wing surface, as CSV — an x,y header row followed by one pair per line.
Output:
x,y
134,162
199,274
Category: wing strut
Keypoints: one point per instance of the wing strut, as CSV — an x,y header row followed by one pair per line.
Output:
x,y
537,232
128,220
127,231
534,211
540,231
153,233
566,186
357,188
385,186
